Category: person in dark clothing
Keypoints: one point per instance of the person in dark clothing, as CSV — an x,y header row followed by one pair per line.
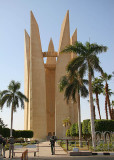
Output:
x,y
52,141
4,143
11,146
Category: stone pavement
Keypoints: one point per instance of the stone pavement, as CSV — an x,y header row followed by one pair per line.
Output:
x,y
44,151
60,154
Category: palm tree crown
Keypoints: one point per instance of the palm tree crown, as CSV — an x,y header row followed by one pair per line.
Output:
x,y
12,97
105,77
97,87
87,57
71,84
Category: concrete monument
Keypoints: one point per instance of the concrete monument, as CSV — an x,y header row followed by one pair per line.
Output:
x,y
46,108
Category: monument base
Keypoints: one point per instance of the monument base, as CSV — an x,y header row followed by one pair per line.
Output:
x,y
82,153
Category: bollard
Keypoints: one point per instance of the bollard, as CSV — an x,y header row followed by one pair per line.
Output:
x,y
88,145
24,155
67,144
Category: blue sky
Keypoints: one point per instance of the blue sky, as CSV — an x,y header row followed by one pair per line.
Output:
x,y
92,18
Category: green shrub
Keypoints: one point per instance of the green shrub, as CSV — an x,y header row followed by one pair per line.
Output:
x,y
73,130
77,129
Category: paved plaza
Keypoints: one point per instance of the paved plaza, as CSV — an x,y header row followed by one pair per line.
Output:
x,y
45,154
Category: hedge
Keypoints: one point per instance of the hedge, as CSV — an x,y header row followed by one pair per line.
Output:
x,y
103,125
100,125
24,134
16,133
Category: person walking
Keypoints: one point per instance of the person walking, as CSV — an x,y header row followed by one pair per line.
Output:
x,y
1,146
11,146
52,141
4,143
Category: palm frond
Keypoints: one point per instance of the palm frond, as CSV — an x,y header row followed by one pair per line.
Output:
x,y
68,92
4,100
82,70
63,83
74,95
84,91
2,93
98,68
85,81
77,48
69,48
96,49
9,101
14,86
106,76
75,64
97,86
16,102
22,96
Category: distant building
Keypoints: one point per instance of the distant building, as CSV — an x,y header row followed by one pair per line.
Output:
x,y
46,108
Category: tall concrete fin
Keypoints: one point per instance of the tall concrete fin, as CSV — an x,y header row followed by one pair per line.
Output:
x,y
72,41
26,76
51,60
65,33
50,89
51,46
74,118
74,37
37,83
61,108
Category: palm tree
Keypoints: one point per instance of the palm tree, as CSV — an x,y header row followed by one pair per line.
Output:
x,y
87,60
74,86
109,92
105,77
66,122
112,110
97,87
12,97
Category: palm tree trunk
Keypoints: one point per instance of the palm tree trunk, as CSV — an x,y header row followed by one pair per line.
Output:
x,y
91,109
107,98
79,119
11,121
94,111
97,102
106,108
